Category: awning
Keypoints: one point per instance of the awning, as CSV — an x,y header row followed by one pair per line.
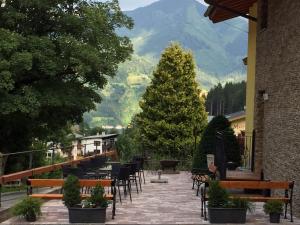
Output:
x,y
220,10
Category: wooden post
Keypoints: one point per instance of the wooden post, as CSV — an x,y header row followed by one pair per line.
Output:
x,y
52,156
30,160
1,164
1,173
0,194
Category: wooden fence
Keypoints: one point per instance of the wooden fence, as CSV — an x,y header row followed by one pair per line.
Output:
x,y
45,169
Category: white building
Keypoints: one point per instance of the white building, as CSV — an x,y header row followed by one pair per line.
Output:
x,y
93,144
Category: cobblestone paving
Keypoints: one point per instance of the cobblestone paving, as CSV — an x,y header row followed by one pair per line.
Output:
x,y
172,203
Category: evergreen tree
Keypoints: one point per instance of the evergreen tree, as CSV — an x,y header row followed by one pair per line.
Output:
x,y
208,142
172,108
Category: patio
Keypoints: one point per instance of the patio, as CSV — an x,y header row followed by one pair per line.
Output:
x,y
171,203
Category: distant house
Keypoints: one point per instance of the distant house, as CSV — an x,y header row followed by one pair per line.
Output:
x,y
87,145
237,122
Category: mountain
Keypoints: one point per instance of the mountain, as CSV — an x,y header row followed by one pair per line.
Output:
x,y
218,50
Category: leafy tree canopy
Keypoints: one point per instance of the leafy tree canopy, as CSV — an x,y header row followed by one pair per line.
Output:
x,y
54,55
171,106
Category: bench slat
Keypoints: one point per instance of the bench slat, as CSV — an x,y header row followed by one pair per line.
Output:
x,y
60,196
261,198
255,184
60,182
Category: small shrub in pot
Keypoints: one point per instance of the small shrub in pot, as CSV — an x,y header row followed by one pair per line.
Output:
x,y
222,209
90,210
274,208
29,208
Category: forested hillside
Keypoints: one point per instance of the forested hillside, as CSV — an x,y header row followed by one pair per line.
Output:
x,y
226,99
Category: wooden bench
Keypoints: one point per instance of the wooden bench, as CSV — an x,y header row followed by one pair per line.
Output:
x,y
286,197
84,183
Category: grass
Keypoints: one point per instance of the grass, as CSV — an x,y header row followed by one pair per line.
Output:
x,y
6,189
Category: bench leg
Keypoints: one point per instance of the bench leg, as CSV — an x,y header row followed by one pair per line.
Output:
x,y
291,210
285,210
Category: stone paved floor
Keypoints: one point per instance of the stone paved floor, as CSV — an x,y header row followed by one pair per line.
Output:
x,y
172,203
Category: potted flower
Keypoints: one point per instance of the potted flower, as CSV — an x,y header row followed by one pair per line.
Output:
x,y
222,209
91,210
29,208
274,208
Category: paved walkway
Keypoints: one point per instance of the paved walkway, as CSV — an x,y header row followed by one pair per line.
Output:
x,y
172,203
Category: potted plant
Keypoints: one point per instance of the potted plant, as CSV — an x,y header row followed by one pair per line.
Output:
x,y
29,208
274,208
91,210
222,209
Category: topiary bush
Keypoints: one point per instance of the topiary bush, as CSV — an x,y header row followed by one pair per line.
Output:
x,y
71,188
208,143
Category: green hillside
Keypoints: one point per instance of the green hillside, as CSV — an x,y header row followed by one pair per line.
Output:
x,y
218,50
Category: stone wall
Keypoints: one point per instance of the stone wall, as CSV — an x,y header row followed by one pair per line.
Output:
x,y
277,120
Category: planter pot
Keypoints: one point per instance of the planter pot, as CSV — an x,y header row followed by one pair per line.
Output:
x,y
226,215
274,217
169,164
87,215
30,217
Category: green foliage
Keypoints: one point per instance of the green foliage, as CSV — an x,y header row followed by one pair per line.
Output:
x,y
273,206
16,163
217,196
227,99
28,207
171,106
71,187
208,142
97,198
241,203
128,143
54,57
16,188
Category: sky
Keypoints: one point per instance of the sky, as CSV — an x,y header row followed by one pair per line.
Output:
x,y
127,5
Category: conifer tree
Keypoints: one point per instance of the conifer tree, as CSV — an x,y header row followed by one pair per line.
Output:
x,y
218,124
172,108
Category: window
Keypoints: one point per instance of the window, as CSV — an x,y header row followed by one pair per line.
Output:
x,y
96,143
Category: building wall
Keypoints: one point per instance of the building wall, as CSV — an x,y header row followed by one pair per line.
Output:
x,y
250,89
277,119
